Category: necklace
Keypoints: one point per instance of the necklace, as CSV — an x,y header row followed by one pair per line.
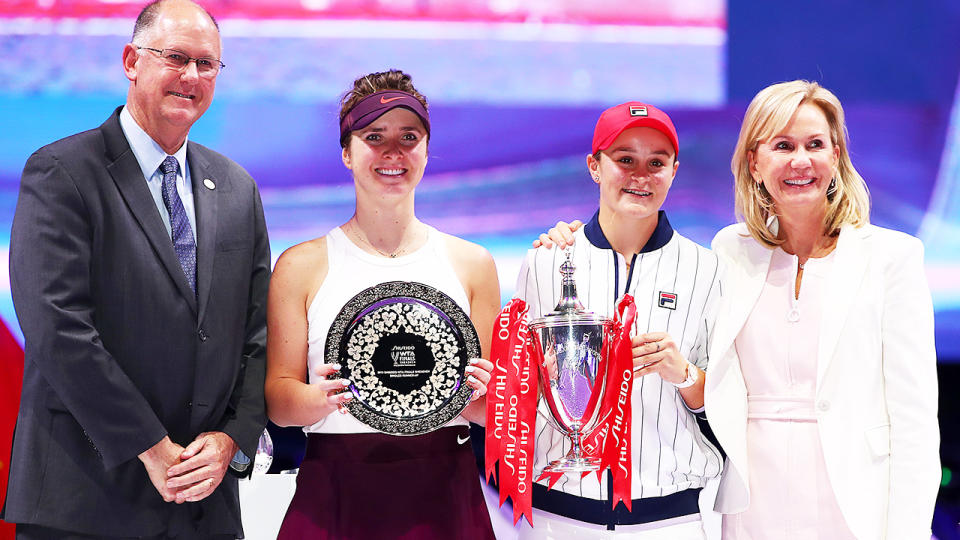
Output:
x,y
821,251
359,235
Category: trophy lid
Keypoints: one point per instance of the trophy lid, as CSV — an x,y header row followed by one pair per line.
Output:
x,y
569,309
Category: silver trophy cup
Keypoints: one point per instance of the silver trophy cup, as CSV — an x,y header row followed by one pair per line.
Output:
x,y
570,346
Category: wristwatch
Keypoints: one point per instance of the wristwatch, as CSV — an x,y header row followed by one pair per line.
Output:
x,y
692,375
240,462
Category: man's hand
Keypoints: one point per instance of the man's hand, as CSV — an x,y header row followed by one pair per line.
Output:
x,y
157,460
203,465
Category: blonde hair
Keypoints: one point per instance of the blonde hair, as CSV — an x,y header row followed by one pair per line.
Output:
x,y
768,114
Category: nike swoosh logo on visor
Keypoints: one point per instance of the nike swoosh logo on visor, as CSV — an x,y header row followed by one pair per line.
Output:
x,y
463,440
385,101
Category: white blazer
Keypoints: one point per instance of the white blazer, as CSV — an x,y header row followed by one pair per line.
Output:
x,y
876,392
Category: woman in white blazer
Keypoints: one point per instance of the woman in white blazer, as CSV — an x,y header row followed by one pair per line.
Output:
x,y
821,384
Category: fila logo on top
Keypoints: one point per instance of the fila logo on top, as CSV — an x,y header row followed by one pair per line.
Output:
x,y
668,300
638,111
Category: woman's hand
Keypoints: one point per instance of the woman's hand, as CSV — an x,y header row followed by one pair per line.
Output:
x,y
656,352
329,394
479,376
561,234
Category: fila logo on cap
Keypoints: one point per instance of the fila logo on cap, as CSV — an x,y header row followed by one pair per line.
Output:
x,y
638,111
668,300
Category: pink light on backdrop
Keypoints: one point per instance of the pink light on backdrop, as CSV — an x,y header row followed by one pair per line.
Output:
x,y
620,12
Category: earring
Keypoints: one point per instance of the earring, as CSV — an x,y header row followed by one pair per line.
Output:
x,y
773,224
832,188
761,190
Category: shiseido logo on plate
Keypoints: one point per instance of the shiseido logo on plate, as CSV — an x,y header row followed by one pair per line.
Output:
x,y
403,355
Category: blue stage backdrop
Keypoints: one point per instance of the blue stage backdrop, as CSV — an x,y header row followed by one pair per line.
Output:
x,y
514,91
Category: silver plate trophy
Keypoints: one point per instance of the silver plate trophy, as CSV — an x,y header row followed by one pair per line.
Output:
x,y
570,348
405,347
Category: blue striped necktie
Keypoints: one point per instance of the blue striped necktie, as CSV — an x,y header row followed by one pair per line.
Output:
x,y
180,230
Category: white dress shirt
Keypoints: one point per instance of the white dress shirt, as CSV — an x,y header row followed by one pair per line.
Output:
x,y
150,155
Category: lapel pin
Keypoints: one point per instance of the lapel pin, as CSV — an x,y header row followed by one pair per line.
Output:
x,y
209,183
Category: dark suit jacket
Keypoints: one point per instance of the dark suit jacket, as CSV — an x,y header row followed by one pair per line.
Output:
x,y
119,350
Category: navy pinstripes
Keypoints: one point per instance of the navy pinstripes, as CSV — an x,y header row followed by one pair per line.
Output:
x,y
670,453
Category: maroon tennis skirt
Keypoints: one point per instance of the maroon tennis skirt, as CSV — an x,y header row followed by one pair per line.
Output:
x,y
362,486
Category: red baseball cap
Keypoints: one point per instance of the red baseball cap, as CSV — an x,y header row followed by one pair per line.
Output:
x,y
615,120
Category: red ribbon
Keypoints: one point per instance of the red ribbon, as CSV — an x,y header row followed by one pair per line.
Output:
x,y
512,410
616,450
496,393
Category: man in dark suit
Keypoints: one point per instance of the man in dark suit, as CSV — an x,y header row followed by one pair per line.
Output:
x,y
139,266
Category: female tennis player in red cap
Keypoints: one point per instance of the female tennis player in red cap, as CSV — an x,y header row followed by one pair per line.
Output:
x,y
629,247
355,482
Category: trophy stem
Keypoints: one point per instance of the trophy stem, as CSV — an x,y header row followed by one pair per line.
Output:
x,y
576,452
575,460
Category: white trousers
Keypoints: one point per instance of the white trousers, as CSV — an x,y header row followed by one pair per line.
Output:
x,y
549,526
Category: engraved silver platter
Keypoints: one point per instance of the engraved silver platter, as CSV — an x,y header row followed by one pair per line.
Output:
x,y
405,347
